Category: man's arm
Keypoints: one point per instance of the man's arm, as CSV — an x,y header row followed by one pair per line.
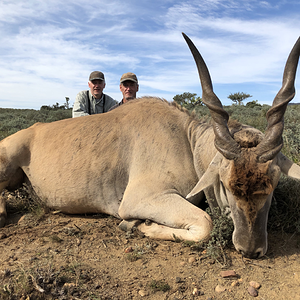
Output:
x,y
80,108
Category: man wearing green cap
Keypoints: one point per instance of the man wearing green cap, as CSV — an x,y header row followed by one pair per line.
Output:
x,y
129,87
93,101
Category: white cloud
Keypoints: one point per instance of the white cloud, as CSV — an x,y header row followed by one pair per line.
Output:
x,y
49,48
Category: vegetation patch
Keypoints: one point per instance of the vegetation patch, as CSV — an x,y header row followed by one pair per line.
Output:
x,y
24,200
220,237
285,209
159,285
138,251
13,120
44,282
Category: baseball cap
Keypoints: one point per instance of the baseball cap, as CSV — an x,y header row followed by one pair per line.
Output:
x,y
96,75
129,76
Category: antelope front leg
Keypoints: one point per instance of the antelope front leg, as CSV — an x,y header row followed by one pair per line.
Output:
x,y
172,216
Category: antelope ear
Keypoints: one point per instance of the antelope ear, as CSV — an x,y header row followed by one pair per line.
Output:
x,y
209,177
287,167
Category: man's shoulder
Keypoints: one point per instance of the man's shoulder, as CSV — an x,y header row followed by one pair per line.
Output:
x,y
110,99
115,106
82,93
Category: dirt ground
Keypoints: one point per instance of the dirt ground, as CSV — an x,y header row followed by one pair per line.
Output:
x,y
88,257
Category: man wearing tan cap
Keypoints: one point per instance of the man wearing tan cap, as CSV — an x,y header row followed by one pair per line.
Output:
x,y
93,101
129,87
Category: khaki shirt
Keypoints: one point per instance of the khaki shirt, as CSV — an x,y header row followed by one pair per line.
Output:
x,y
80,107
116,105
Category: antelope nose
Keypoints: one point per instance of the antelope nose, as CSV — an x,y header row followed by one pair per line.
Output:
x,y
252,255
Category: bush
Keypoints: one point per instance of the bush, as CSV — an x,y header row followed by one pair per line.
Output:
x,y
285,209
13,120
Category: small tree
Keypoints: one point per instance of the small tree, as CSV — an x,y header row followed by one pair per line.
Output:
x,y
45,107
188,100
66,104
238,98
252,104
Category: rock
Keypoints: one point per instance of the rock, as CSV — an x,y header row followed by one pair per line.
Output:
x,y
255,284
128,250
219,288
177,279
252,291
228,274
69,285
143,293
192,260
196,292
235,283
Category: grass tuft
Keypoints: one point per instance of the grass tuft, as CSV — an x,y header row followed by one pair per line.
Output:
x,y
24,200
159,285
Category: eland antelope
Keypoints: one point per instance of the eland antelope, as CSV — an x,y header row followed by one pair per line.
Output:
x,y
152,160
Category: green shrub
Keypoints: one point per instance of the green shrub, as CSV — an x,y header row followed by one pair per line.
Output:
x,y
159,285
13,120
285,209
220,236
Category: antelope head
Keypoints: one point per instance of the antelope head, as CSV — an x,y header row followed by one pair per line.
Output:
x,y
247,166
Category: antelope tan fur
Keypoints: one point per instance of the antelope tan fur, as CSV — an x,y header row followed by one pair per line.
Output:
x,y
156,162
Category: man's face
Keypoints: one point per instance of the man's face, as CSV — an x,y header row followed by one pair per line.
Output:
x,y
129,90
96,86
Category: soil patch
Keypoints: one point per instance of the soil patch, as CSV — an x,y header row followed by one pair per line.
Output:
x,y
89,257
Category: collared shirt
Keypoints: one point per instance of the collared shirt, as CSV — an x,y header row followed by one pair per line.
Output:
x,y
80,107
116,105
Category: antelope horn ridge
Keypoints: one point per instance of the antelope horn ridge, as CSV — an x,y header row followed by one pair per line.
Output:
x,y
272,142
224,142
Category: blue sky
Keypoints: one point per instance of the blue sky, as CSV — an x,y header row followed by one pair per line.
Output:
x,y
49,48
